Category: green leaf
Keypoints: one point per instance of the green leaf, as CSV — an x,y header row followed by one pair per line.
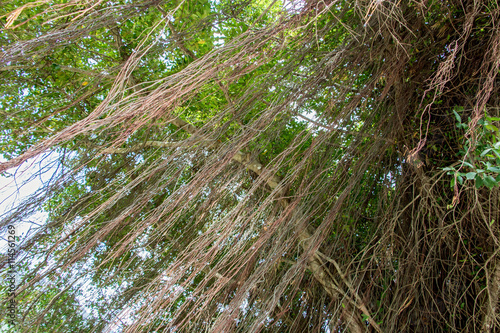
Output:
x,y
457,116
479,182
470,175
490,181
491,127
467,164
486,151
494,169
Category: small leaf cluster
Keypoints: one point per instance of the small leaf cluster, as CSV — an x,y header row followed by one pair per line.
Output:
x,y
481,156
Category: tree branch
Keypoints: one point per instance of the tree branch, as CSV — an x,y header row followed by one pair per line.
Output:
x,y
331,129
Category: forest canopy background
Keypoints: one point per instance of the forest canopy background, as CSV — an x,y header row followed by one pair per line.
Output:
x,y
276,166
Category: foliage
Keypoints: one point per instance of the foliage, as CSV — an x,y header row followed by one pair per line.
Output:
x,y
481,156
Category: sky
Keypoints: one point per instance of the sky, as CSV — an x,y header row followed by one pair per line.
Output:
x,y
18,184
